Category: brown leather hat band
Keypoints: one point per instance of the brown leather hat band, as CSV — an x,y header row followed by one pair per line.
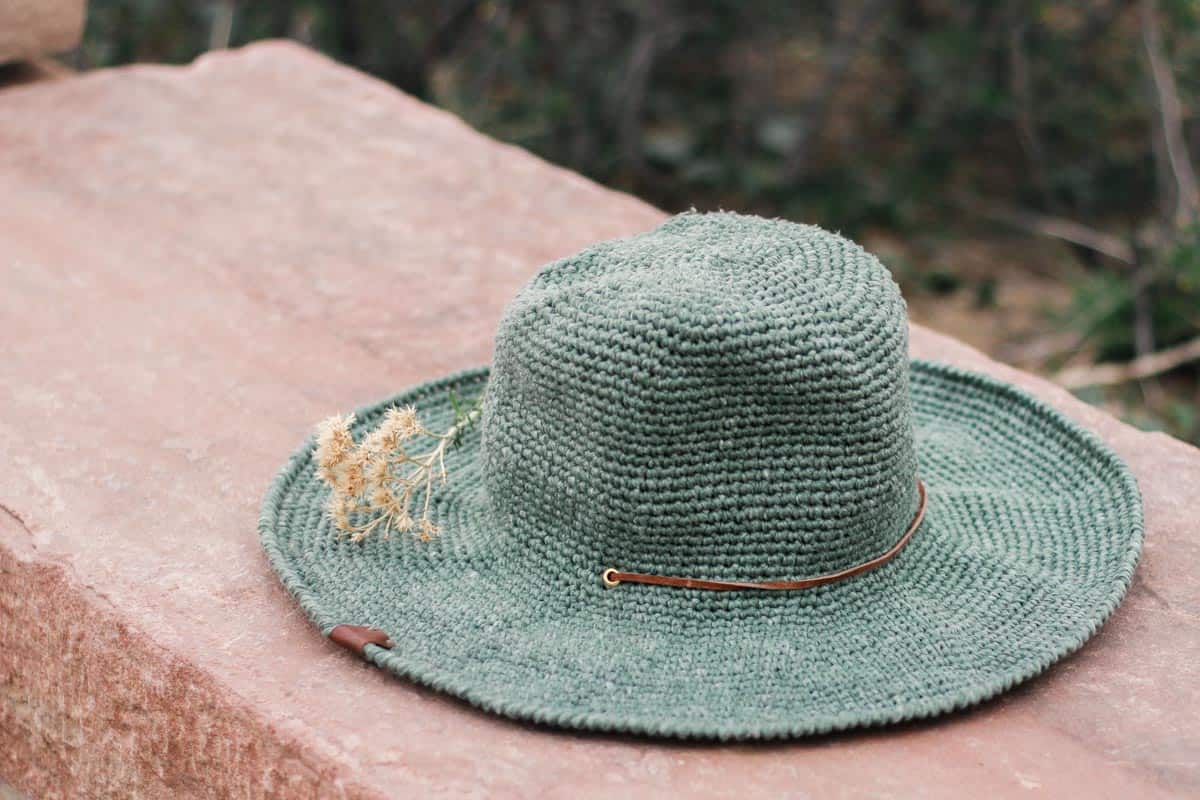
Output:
x,y
613,577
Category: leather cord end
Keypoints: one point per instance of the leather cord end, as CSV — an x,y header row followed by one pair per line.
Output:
x,y
355,638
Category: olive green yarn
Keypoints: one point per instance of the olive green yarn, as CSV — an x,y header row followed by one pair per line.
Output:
x,y
723,396
726,397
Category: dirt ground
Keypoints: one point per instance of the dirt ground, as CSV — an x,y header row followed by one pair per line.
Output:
x,y
1001,295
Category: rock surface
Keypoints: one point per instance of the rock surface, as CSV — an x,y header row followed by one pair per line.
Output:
x,y
31,28
198,263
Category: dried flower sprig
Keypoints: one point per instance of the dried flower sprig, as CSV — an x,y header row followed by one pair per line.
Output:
x,y
379,478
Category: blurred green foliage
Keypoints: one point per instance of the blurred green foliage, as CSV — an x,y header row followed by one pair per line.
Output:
x,y
896,115
1104,301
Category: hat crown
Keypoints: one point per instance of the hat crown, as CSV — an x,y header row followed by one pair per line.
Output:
x,y
723,397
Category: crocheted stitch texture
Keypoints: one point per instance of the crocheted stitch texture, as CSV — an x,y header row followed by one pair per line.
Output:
x,y
726,397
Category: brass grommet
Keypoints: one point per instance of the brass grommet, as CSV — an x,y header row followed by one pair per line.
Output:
x,y
607,577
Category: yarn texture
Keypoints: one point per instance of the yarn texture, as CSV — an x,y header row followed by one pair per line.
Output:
x,y
730,398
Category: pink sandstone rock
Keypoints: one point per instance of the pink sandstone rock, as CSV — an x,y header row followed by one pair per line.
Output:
x,y
31,28
196,265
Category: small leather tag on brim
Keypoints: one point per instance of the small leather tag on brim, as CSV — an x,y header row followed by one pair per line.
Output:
x,y
355,638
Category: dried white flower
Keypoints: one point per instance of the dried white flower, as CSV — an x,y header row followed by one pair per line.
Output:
x,y
379,480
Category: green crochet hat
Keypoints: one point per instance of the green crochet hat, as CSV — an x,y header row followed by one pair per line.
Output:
x,y
707,494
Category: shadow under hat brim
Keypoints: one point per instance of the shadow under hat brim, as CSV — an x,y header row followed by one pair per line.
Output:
x,y
1031,536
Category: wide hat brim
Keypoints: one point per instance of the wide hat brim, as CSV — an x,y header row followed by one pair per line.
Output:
x,y
1030,539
